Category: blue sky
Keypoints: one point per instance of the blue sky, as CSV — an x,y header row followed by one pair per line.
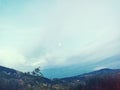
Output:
x,y
59,34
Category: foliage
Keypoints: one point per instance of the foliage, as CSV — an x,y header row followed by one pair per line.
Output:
x,y
37,72
14,80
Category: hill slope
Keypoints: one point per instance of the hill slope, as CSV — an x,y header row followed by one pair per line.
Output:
x,y
14,80
104,79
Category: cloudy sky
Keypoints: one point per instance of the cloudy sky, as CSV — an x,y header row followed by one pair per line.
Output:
x,y
59,33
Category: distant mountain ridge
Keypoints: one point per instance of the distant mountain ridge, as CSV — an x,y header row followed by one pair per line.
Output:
x,y
104,79
101,72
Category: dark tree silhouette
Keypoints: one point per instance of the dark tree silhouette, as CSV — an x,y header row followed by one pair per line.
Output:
x,y
37,72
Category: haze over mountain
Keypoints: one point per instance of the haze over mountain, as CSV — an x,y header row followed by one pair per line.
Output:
x,y
64,37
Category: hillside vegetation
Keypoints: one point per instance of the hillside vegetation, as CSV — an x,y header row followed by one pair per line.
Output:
x,y
105,79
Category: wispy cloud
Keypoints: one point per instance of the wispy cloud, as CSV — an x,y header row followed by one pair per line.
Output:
x,y
58,33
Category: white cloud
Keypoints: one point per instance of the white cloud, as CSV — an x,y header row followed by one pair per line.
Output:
x,y
98,68
11,58
59,31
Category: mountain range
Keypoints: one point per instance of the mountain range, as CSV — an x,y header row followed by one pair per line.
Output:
x,y
104,79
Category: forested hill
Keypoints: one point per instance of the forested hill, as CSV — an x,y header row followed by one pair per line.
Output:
x,y
11,79
104,79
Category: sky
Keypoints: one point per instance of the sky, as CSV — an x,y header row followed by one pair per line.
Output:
x,y
60,35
